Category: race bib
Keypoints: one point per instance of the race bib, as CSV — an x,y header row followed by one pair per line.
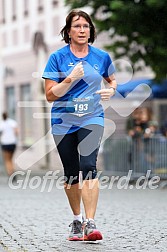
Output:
x,y
81,106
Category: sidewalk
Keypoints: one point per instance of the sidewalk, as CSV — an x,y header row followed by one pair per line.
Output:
x,y
130,220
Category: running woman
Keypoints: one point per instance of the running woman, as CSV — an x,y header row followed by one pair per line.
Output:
x,y
73,77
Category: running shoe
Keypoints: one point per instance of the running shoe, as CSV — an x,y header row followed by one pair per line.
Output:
x,y
91,233
76,233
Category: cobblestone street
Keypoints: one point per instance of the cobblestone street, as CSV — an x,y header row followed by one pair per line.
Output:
x,y
130,220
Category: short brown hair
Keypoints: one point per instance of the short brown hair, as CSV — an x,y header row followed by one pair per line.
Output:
x,y
66,28
4,115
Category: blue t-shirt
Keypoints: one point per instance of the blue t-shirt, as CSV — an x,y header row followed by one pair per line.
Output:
x,y
97,64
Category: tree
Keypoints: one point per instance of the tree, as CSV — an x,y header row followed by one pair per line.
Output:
x,y
137,28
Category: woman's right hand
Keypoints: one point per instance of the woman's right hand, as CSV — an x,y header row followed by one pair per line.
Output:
x,y
77,72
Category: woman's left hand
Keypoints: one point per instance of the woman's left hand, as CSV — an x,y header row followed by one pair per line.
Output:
x,y
106,93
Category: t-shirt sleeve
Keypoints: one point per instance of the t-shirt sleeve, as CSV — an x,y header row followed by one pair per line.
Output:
x,y
51,70
108,65
14,124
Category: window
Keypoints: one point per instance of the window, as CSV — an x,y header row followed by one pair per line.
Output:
x,y
14,7
26,33
4,40
2,11
10,102
41,26
26,7
55,26
40,6
26,116
15,37
55,3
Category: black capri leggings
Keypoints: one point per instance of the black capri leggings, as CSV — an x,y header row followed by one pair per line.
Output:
x,y
78,152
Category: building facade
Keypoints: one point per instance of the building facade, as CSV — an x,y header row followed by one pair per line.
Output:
x,y
29,32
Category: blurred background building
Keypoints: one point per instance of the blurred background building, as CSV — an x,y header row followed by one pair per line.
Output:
x,y
28,29
29,32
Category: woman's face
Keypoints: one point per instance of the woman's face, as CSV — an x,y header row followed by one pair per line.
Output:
x,y
79,31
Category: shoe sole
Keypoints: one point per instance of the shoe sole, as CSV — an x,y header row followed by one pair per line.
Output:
x,y
75,238
94,236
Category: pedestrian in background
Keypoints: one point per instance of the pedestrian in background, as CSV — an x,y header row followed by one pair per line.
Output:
x,y
73,78
8,139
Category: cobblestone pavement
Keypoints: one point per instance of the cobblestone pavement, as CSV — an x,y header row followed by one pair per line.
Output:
x,y
130,220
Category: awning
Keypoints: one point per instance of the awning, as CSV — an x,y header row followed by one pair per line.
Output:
x,y
159,90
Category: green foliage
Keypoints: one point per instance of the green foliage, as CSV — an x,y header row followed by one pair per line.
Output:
x,y
138,27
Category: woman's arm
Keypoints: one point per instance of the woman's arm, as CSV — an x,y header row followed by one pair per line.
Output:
x,y
54,90
111,81
109,91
